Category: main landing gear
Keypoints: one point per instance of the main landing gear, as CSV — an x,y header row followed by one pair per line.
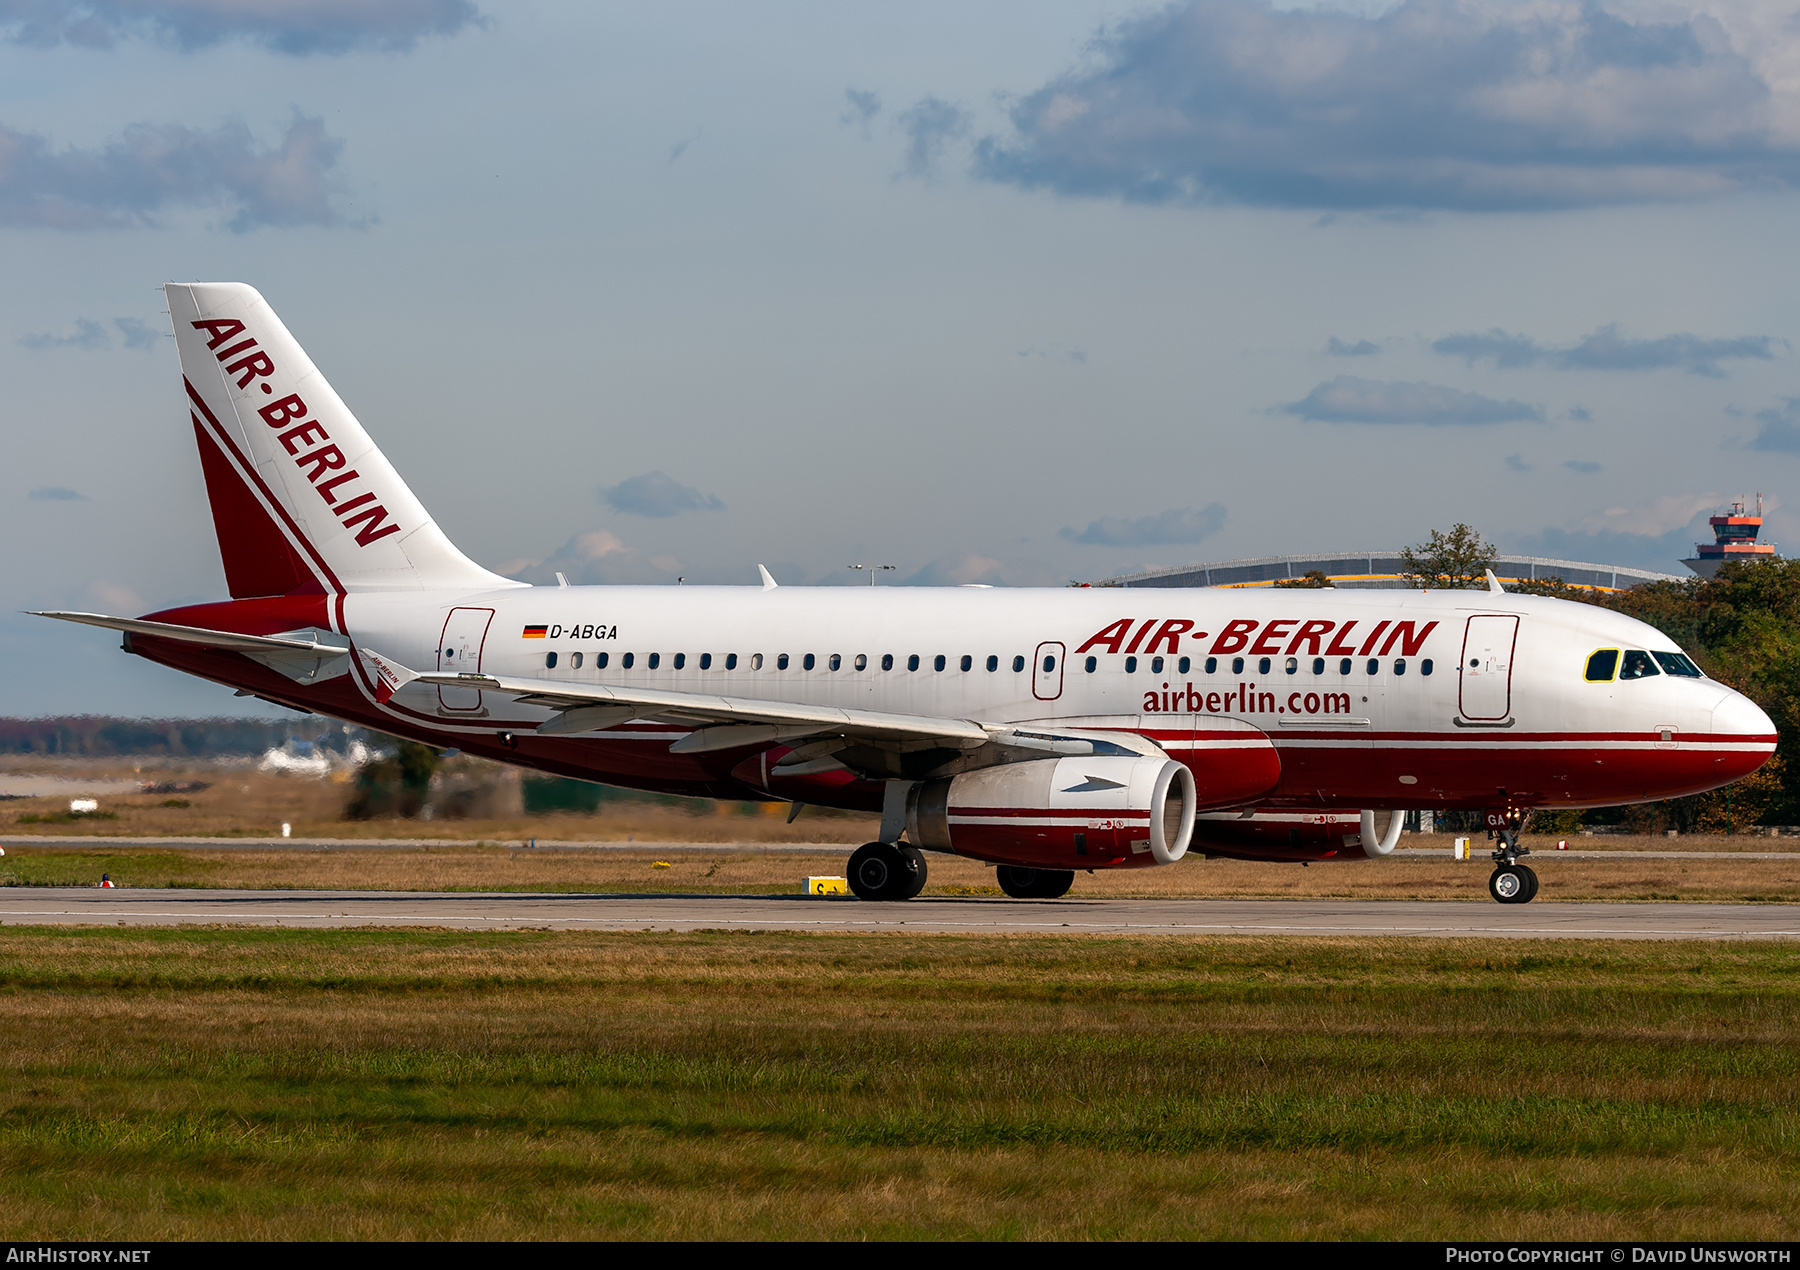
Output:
x,y
1512,882
886,871
1034,884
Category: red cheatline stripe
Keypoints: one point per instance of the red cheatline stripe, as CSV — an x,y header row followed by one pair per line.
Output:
x,y
1058,813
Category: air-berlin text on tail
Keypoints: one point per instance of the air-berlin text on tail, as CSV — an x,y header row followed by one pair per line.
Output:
x,y
301,437
1315,637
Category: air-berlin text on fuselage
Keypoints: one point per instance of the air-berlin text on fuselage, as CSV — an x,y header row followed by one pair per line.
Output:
x,y
301,437
1283,637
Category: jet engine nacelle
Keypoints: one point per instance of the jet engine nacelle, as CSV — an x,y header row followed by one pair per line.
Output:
x,y
1060,813
1298,835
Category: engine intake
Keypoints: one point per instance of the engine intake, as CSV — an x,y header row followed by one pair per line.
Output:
x,y
1064,813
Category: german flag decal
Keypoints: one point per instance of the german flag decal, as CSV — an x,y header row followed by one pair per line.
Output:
x,y
535,632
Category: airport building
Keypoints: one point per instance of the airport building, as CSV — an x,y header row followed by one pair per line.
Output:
x,y
1381,569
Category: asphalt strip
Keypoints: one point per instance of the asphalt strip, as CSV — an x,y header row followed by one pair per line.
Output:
x,y
972,915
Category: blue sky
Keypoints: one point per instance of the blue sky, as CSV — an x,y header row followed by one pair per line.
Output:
x,y
1010,293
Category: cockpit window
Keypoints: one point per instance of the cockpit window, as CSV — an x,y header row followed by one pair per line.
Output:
x,y
1637,665
1678,664
1601,665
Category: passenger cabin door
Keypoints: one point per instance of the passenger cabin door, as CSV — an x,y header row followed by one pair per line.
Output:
x,y
1487,656
1047,672
459,649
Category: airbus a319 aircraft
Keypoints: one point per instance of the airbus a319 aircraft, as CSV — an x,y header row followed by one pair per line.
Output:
x,y
1044,731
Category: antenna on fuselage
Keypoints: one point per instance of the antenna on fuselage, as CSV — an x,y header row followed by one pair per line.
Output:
x,y
1494,584
769,582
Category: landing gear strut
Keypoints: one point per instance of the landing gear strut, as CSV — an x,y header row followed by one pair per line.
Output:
x,y
1034,884
1512,882
886,871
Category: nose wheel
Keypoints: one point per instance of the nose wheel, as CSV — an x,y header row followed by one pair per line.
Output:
x,y
1512,882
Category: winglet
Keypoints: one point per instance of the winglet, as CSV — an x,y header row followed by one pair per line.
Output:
x,y
769,583
389,676
1494,584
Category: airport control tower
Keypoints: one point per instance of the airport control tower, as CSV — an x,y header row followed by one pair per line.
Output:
x,y
1734,538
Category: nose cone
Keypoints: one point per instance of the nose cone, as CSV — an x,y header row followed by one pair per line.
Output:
x,y
1744,737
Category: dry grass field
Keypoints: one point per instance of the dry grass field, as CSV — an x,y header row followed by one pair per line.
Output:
x,y
290,1085
1721,876
243,802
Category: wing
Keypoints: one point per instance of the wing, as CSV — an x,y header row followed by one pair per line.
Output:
x,y
726,722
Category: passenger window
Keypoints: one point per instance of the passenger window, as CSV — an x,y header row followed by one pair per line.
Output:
x,y
574,661
968,662
1344,666
781,662
600,661
1637,665
912,663
655,660
1185,665
680,661
1212,665
1293,665
1091,664
1318,665
1262,667
1601,665
1131,665
1425,666
705,661
938,663
993,663
808,662
887,661
1374,666
834,663
626,661
1156,665
755,661
1018,665
549,661
1399,665
1237,665
1678,664
1049,664
730,661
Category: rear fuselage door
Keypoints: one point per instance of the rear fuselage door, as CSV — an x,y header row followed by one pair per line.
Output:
x,y
1047,672
459,649
1486,670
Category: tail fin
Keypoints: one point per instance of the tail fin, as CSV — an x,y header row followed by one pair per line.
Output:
x,y
302,500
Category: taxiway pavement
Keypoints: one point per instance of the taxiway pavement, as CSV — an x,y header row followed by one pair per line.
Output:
x,y
975,915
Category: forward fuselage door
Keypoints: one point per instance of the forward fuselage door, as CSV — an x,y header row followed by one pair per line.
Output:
x,y
1487,658
459,649
1047,672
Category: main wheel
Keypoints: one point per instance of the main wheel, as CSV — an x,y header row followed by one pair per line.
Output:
x,y
886,871
1033,884
1531,882
1511,884
913,871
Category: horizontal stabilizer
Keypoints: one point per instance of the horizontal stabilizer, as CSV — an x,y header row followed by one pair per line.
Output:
x,y
200,635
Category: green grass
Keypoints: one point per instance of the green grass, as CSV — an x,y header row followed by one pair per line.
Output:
x,y
373,1084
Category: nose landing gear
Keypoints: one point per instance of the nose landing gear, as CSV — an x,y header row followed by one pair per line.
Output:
x,y
1512,882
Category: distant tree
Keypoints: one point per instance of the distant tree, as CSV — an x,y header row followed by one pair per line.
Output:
x,y
1454,561
1556,588
1312,579
395,784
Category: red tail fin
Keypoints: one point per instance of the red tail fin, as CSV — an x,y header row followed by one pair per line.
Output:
x,y
258,558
